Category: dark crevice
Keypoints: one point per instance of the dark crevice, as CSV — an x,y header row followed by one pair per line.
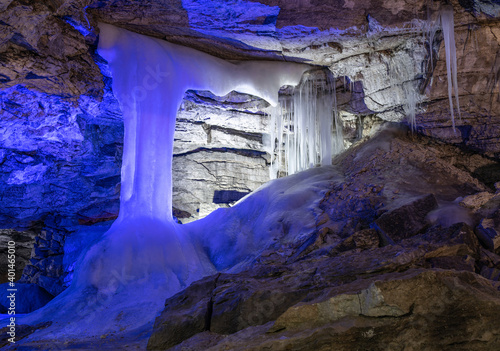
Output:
x,y
408,314
242,152
240,133
210,306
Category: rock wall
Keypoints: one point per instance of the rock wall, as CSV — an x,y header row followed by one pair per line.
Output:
x,y
219,152
24,243
61,129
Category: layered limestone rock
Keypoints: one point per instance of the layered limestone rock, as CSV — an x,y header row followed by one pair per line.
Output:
x,y
220,152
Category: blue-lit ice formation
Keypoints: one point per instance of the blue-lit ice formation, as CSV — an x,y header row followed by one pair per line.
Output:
x,y
150,77
124,278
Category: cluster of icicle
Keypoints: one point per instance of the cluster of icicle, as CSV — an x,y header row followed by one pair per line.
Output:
x,y
305,126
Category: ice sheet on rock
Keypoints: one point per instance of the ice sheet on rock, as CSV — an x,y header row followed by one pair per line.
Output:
x,y
281,210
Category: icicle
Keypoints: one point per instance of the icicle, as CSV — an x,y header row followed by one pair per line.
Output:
x,y
430,29
310,121
448,27
411,103
401,78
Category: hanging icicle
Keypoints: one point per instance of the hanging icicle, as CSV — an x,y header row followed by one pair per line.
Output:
x,y
448,27
305,127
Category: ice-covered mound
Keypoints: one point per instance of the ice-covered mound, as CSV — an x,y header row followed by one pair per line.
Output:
x,y
281,210
122,281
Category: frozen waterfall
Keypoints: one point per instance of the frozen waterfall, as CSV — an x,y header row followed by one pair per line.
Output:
x,y
145,256
150,77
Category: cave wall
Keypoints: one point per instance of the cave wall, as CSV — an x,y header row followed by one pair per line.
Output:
x,y
61,129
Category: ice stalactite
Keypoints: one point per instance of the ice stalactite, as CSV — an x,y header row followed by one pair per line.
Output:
x,y
401,78
306,129
448,27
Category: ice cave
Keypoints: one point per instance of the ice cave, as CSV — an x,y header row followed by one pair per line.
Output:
x,y
250,175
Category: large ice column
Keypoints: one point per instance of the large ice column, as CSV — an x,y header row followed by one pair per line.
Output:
x,y
150,77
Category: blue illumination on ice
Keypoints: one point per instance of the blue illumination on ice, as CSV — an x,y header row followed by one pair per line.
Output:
x,y
145,257
150,78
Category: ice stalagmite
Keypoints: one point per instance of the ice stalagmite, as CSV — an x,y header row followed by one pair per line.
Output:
x,y
448,27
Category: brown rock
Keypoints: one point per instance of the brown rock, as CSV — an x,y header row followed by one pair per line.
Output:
x,y
458,263
42,52
185,314
489,234
424,310
362,240
456,240
491,273
476,201
405,221
242,302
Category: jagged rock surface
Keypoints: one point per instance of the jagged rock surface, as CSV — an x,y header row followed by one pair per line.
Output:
x,y
46,262
348,283
23,243
61,128
339,283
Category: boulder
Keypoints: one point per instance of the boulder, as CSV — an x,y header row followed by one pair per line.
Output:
x,y
423,310
406,220
247,303
488,233
184,315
